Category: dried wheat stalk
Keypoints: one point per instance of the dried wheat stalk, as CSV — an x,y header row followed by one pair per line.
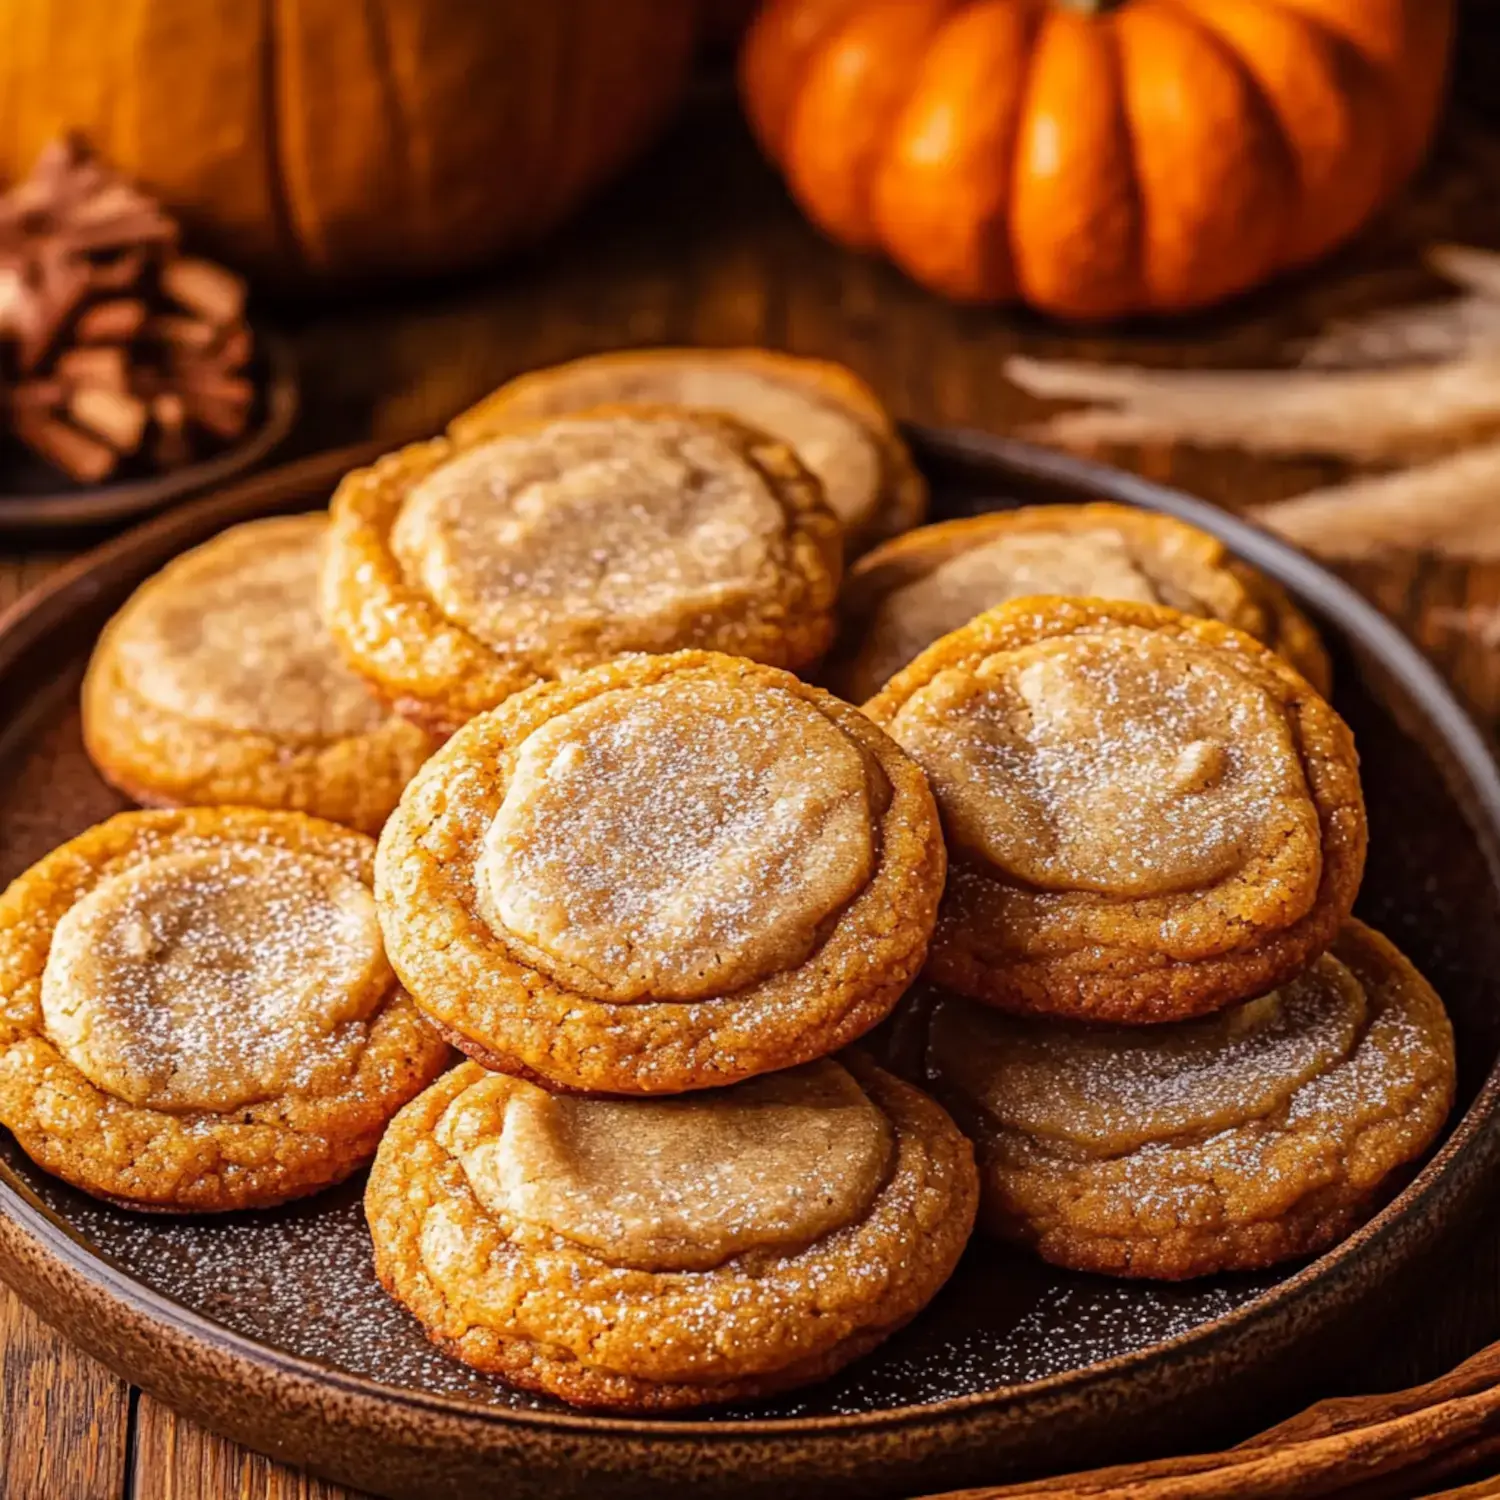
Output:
x,y
1366,416
1451,506
1424,332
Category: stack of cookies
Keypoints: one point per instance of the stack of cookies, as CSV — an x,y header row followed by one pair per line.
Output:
x,y
1081,868
1147,1002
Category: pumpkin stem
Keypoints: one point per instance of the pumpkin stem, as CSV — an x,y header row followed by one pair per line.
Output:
x,y
1090,7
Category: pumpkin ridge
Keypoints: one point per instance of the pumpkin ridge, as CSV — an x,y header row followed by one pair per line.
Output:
x,y
283,230
1044,17
1263,106
1001,223
377,26
1324,219
772,133
1132,159
1273,256
1239,135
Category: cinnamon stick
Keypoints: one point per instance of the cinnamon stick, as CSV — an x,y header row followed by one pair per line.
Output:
x,y
77,454
118,418
1360,1447
210,291
123,347
114,322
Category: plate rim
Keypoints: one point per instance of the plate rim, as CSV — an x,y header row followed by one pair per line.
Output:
x,y
1475,1134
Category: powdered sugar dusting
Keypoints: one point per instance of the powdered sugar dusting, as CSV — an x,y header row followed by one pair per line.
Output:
x,y
681,839
1103,1091
1113,763
830,440
214,977
1089,565
230,635
538,542
680,1183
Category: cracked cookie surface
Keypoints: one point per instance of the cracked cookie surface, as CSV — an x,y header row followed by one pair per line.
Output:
x,y
196,1012
1149,815
653,1255
666,873
1265,1132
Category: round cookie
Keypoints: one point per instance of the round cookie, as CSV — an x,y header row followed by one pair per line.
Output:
x,y
666,873
460,572
906,594
1257,1135
196,1013
651,1255
827,413
1149,816
218,683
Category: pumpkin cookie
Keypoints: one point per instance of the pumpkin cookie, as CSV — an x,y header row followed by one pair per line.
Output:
x,y
667,873
827,413
462,571
1149,815
905,595
650,1255
1262,1133
217,683
196,1012
1287,631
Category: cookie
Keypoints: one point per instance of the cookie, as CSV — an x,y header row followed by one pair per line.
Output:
x,y
461,571
827,413
196,1012
1261,1134
1287,631
1149,815
650,1255
666,873
217,683
906,594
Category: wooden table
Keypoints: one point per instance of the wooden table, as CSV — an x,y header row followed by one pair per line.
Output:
x,y
701,246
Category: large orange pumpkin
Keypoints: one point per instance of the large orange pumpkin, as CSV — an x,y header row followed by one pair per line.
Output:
x,y
1095,157
338,138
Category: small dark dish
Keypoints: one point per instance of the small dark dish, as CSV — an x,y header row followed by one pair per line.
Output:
x,y
270,1327
34,495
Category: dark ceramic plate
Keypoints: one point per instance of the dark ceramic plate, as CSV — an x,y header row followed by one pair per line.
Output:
x,y
33,495
271,1328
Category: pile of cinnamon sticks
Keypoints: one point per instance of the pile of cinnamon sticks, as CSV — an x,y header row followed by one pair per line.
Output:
x,y
118,354
1387,1447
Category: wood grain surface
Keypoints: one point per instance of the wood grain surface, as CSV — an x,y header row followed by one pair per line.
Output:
x,y
700,245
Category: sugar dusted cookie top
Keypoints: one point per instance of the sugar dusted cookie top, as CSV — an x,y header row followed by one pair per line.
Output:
x,y
217,682
462,571
677,1184
659,1254
1264,1132
683,839
1149,815
904,595
196,1012
826,413
666,873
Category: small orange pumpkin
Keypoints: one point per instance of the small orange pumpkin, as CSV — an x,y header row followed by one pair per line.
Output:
x,y
1095,157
